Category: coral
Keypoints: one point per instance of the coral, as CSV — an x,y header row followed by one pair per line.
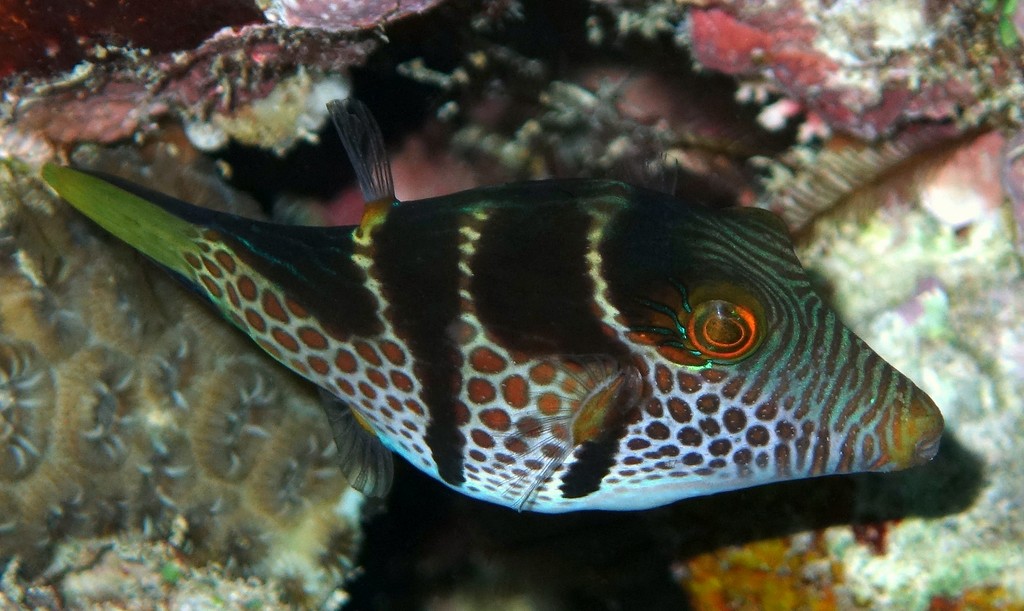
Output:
x,y
966,187
38,39
943,306
117,93
1012,178
26,406
346,15
976,599
131,572
126,405
806,182
117,70
129,93
652,121
292,112
773,574
864,71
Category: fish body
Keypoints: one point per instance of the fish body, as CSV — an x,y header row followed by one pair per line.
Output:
x,y
549,346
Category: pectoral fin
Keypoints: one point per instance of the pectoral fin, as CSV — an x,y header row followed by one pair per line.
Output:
x,y
586,402
364,461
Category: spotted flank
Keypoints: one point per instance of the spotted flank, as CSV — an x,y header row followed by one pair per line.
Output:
x,y
548,346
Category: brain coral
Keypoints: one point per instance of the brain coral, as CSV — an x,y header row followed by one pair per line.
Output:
x,y
124,404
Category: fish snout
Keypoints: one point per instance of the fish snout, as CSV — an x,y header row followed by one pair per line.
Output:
x,y
919,431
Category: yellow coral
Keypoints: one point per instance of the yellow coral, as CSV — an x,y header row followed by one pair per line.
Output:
x,y
773,574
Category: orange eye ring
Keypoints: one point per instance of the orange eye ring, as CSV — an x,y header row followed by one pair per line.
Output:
x,y
723,331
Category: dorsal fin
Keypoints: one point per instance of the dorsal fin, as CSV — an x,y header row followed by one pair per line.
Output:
x,y
660,173
364,144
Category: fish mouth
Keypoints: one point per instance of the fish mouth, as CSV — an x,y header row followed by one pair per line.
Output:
x,y
924,423
926,449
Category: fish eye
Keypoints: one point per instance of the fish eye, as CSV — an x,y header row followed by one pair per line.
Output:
x,y
717,322
722,331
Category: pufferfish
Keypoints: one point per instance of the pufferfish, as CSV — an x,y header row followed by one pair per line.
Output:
x,y
552,346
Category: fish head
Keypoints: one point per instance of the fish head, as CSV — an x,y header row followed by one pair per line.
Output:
x,y
751,376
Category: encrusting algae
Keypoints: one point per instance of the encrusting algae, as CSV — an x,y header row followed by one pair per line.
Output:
x,y
124,405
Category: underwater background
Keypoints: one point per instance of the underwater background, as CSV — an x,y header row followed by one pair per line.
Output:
x,y
150,456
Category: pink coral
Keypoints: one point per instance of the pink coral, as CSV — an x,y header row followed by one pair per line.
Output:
x,y
114,99
132,72
867,89
38,38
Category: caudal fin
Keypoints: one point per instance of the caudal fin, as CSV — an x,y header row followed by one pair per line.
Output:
x,y
152,229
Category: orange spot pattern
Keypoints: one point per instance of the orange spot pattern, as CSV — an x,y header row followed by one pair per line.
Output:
x,y
255,320
481,438
377,378
461,413
549,404
211,287
496,419
344,386
393,353
226,261
212,269
485,360
367,353
689,383
480,390
345,361
663,378
401,381
273,308
312,338
318,365
358,372
515,391
543,373
713,375
516,445
284,339
294,307
414,407
246,288
367,391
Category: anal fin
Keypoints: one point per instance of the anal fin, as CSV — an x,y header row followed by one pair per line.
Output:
x,y
364,461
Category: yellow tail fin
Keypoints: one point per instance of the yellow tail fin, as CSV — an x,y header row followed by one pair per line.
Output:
x,y
142,223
